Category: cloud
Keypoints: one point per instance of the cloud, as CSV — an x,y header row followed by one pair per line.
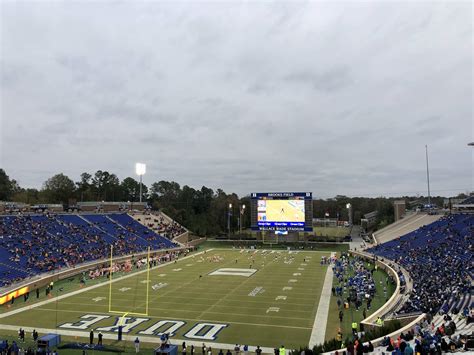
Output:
x,y
329,97
327,81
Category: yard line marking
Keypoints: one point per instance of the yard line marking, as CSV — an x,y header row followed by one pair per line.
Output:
x,y
233,272
98,299
320,321
255,291
193,290
237,296
105,283
241,300
273,309
278,298
228,294
156,287
208,320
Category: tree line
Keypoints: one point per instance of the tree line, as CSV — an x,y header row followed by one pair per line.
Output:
x,y
203,211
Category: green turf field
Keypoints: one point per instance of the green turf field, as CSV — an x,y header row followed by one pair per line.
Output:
x,y
275,305
331,231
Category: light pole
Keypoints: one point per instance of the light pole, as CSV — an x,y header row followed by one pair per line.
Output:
x,y
228,219
428,177
140,170
242,210
349,211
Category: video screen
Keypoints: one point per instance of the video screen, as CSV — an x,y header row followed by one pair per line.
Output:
x,y
282,211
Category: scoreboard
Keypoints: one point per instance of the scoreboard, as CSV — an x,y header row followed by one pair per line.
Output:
x,y
281,211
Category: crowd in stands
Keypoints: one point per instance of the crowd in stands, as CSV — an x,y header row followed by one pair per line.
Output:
x,y
425,338
129,265
468,201
439,259
169,229
34,244
355,281
173,229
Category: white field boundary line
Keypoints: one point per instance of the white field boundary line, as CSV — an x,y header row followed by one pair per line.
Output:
x,y
303,295
196,320
190,311
274,250
320,321
175,302
131,338
54,299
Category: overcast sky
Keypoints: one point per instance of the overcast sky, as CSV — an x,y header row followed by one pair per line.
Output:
x,y
329,97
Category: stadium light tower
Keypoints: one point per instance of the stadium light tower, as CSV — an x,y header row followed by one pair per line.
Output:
x,y
228,219
242,210
428,177
349,212
140,170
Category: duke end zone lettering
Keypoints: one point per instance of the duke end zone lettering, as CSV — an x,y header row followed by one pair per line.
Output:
x,y
200,331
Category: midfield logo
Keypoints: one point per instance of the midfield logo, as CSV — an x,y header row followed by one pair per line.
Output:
x,y
199,331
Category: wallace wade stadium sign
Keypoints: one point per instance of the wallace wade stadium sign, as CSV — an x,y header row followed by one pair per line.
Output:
x,y
200,331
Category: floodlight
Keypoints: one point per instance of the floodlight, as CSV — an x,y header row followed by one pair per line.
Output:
x,y
140,169
348,206
230,205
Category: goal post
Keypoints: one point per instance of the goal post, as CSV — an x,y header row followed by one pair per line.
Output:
x,y
136,302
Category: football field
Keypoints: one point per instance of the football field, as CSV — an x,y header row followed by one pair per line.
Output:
x,y
254,297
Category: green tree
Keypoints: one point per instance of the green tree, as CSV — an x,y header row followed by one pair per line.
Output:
x,y
8,187
85,188
59,189
130,190
28,196
106,186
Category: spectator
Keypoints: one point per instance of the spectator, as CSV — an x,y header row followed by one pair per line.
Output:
x,y
137,345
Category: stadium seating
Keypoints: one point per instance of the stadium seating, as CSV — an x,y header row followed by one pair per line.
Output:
x,y
404,226
468,201
439,258
34,244
161,224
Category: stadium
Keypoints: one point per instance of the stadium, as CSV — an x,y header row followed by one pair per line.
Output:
x,y
236,177
104,266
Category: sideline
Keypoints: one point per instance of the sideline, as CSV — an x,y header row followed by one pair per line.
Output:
x,y
106,282
320,321
131,338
